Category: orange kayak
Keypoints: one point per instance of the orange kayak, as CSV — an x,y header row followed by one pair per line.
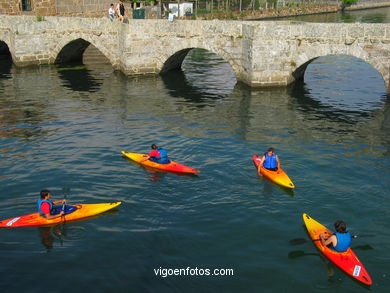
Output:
x,y
279,177
80,211
172,166
346,261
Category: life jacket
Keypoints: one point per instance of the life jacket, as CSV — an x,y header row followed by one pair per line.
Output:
x,y
40,201
343,241
163,156
270,162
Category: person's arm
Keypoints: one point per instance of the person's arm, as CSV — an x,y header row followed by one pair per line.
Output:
x,y
260,165
277,162
59,201
147,158
330,240
51,217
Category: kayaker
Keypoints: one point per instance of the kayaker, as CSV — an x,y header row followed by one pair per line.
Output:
x,y
270,161
46,206
339,241
158,155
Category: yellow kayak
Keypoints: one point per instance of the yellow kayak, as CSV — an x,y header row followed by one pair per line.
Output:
x,y
279,177
77,212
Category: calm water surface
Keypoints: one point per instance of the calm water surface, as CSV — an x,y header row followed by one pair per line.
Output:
x,y
63,129
375,15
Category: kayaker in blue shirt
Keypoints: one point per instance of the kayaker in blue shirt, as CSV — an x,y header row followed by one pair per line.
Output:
x,y
158,155
46,206
339,241
270,161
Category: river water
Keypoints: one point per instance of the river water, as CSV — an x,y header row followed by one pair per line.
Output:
x,y
63,128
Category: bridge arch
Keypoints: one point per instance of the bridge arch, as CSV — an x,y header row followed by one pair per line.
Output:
x,y
174,57
72,50
5,52
306,57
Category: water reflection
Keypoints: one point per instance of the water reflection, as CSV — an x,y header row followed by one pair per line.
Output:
x,y
60,233
77,77
335,89
204,76
376,15
5,68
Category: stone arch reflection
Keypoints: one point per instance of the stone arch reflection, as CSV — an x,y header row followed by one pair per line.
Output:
x,y
79,64
198,75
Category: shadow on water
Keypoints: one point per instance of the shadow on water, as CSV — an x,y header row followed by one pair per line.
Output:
x,y
77,77
269,187
5,61
178,86
308,105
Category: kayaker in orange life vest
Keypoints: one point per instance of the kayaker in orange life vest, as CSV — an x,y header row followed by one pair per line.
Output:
x,y
270,161
339,241
157,155
45,205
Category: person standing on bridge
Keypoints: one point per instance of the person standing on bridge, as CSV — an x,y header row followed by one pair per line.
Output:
x,y
120,10
111,12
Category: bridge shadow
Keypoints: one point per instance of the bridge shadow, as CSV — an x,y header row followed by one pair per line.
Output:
x,y
5,61
177,84
77,77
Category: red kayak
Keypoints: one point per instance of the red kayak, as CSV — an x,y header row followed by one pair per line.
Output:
x,y
347,261
172,166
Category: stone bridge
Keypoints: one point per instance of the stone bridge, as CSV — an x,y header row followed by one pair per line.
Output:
x,y
262,54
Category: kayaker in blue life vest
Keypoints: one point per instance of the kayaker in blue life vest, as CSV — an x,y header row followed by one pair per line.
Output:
x,y
339,241
158,155
270,161
46,206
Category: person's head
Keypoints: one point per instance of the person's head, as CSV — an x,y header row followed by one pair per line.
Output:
x,y
340,226
45,194
153,146
270,151
112,5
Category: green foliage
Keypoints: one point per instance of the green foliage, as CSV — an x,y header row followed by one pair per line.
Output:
x,y
349,2
39,17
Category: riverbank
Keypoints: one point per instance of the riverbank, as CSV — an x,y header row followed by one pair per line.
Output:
x,y
289,11
367,5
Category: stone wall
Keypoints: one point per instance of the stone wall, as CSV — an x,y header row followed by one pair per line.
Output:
x,y
85,8
11,7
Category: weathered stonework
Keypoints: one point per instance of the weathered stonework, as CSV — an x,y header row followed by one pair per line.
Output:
x,y
262,54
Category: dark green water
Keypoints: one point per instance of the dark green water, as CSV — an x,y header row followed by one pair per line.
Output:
x,y
375,15
64,129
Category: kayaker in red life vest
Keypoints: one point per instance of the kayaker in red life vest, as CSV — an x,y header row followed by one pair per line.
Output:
x,y
270,161
339,241
45,205
158,155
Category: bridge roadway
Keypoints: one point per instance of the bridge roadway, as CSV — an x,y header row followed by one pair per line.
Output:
x,y
262,54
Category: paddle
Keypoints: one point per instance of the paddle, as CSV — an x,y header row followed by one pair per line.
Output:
x,y
300,253
65,191
298,241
